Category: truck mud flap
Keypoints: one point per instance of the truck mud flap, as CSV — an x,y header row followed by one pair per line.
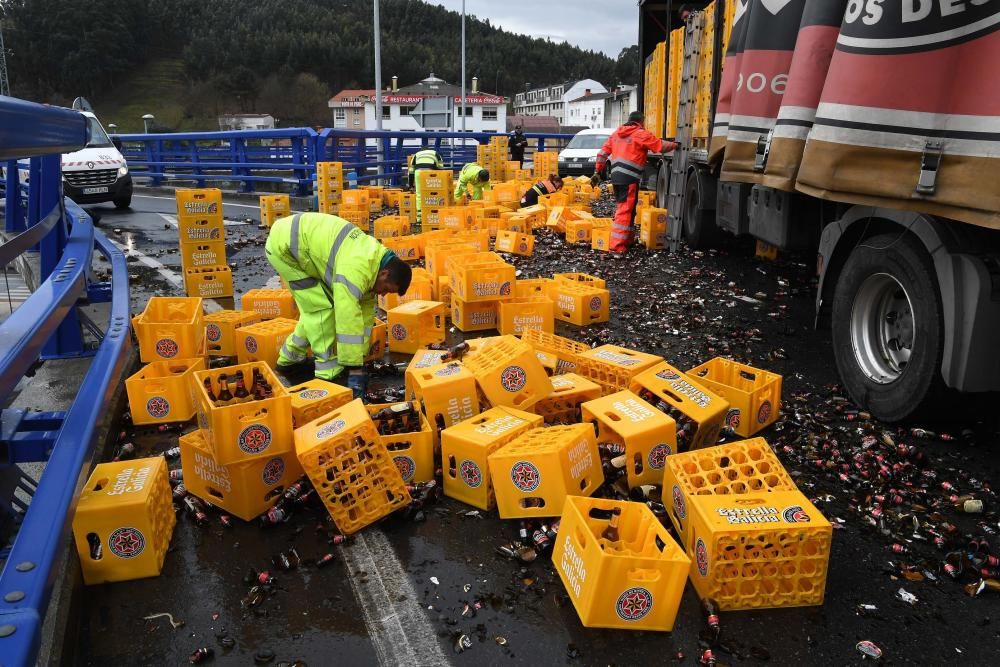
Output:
x,y
783,219
731,204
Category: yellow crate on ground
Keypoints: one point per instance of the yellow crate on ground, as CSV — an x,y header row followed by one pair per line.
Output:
x,y
566,350
558,217
758,550
245,490
736,468
358,217
124,520
390,196
545,163
421,287
273,207
613,367
480,238
579,279
482,276
578,231
456,218
413,453
536,214
208,282
520,314
198,202
534,473
466,446
434,179
647,198
532,287
262,341
220,330
247,430
422,358
474,315
350,468
202,253
698,411
374,198
508,373
506,193
356,199
554,200
600,238
515,242
633,583
447,392
415,324
160,392
170,328
270,303
754,395
513,222
406,247
649,436
442,290
378,343
390,226
313,399
579,303
437,253
569,392
330,172
408,207
200,229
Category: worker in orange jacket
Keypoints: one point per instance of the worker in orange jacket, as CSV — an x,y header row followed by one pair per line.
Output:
x,y
626,150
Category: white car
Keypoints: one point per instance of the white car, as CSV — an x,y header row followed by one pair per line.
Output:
x,y
96,173
580,154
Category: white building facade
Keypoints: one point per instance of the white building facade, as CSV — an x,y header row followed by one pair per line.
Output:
x,y
618,104
552,100
586,111
246,121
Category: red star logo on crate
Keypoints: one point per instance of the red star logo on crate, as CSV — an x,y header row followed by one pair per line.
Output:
x,y
166,348
126,543
668,375
634,604
406,467
764,412
505,289
255,438
313,394
513,378
250,344
679,505
595,303
213,332
471,474
525,476
795,514
701,557
658,455
733,418
273,471
398,332
158,407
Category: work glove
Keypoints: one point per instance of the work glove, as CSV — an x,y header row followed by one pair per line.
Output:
x,y
595,180
357,381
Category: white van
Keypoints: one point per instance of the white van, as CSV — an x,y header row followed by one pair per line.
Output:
x,y
97,173
580,155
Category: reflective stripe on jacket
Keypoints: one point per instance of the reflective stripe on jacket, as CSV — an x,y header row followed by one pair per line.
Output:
x,y
627,149
470,176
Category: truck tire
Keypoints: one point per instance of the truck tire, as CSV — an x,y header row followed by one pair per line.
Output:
x,y
700,230
124,202
887,328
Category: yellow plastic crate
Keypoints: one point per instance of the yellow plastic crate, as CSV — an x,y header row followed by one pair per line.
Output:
x,y
456,218
436,199
406,247
578,231
534,473
360,218
273,207
515,242
613,367
245,490
566,350
170,328
390,226
466,446
475,315
220,330
160,392
202,253
200,229
390,197
447,393
356,199
648,198
331,173
579,279
271,303
649,435
350,468
313,399
413,453
263,341
195,203
520,314
208,282
422,358
600,239
439,252
480,276
508,373
415,324
635,583
754,395
512,222
569,392
758,550
421,289
736,468
378,341
442,290
434,179
124,520
480,238
532,287
580,304
698,411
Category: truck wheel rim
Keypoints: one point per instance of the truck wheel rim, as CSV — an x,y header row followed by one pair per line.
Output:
x,y
882,332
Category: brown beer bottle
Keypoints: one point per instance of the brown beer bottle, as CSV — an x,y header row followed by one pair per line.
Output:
x,y
455,353
241,392
208,390
610,533
225,396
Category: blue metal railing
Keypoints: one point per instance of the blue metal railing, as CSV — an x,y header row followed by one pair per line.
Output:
x,y
46,324
286,159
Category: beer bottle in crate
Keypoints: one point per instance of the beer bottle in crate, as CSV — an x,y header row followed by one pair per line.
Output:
x,y
610,537
241,392
209,391
225,396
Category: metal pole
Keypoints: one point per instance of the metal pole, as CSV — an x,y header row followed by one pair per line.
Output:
x,y
378,85
463,70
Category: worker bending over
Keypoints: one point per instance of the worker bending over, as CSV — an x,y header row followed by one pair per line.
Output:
x,y
472,175
550,185
626,150
334,271
424,159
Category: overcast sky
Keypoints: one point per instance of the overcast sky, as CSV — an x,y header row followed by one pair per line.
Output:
x,y
599,25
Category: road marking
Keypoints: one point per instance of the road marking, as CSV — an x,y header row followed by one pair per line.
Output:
x,y
228,223
171,276
224,204
399,630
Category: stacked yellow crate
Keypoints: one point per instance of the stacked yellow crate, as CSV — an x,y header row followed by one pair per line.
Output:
x,y
655,71
329,185
203,243
545,163
674,71
703,94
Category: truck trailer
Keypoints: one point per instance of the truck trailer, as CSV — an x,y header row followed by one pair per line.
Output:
x,y
867,131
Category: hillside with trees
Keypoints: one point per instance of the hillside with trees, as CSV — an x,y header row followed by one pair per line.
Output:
x,y
283,57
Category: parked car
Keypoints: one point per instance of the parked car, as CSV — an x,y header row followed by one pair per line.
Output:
x,y
580,154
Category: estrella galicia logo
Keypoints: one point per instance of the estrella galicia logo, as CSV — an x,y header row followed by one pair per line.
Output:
x,y
213,332
334,427
764,413
254,439
679,505
313,394
795,514
406,467
701,557
733,418
166,348
273,471
158,407
634,604
470,473
513,378
398,332
126,542
505,289
250,343
595,303
525,476
658,456
668,374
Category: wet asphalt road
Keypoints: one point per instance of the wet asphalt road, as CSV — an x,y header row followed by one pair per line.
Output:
x,y
680,306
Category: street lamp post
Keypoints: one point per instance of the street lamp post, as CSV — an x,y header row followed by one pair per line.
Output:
x,y
146,120
378,86
463,71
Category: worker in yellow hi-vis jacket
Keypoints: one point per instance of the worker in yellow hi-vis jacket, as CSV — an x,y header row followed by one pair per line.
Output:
x,y
474,175
334,271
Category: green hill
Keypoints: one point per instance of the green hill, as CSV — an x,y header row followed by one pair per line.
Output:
x,y
158,87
